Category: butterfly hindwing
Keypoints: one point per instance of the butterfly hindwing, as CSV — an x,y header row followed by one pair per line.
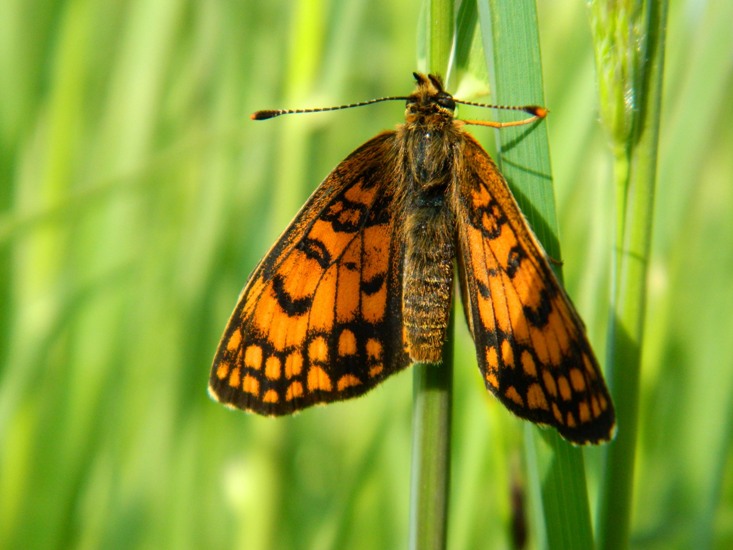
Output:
x,y
531,345
320,317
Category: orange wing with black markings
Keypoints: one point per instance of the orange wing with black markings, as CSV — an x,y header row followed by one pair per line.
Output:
x,y
531,345
320,317
361,283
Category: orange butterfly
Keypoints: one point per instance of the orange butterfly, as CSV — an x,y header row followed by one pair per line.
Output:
x,y
360,284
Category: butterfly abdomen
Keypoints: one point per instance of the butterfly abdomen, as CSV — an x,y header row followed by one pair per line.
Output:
x,y
428,275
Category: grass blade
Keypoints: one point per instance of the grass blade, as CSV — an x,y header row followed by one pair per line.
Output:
x,y
433,384
512,40
631,105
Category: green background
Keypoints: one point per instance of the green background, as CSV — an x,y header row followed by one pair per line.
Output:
x,y
136,196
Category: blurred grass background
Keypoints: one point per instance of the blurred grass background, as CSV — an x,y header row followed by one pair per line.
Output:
x,y
136,196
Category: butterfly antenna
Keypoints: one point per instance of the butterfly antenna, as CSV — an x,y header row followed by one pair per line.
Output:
x,y
264,115
536,111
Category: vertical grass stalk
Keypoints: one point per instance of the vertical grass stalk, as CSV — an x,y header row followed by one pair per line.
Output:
x,y
629,43
559,506
433,384
431,436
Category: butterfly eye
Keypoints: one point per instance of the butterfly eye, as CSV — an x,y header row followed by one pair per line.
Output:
x,y
445,100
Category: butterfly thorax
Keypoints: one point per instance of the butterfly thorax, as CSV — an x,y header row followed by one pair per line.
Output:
x,y
429,136
428,143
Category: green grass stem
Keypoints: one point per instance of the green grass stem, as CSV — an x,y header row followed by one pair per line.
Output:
x,y
431,450
631,102
562,518
433,384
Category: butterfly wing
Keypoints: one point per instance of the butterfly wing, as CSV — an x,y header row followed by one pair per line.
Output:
x,y
531,345
320,317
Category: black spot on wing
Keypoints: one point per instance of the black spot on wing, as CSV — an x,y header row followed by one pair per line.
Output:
x,y
489,219
346,216
538,316
514,260
315,250
483,290
372,286
292,306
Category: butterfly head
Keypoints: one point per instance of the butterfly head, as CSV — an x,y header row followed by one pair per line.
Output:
x,y
429,101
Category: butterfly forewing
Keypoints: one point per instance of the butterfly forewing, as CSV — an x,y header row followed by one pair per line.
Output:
x,y
320,318
531,347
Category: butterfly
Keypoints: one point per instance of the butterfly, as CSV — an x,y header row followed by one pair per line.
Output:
x,y
359,286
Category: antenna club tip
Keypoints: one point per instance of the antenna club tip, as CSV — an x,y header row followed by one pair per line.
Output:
x,y
540,112
263,115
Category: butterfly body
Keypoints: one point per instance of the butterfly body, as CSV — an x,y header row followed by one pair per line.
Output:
x,y
428,144
360,286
